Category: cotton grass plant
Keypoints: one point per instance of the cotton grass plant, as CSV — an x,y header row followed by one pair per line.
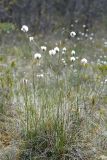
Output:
x,y
60,100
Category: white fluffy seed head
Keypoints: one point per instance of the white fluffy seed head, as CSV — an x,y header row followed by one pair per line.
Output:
x,y
86,35
73,52
105,43
84,25
84,61
37,56
76,57
78,38
52,52
63,60
64,49
25,81
25,28
72,59
56,49
31,39
43,48
40,75
63,52
92,34
76,21
82,33
105,81
91,38
73,34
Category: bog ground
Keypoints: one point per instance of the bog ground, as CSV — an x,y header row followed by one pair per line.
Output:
x,y
53,95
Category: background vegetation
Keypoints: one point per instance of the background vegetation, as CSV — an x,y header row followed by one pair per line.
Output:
x,y
53,107
46,15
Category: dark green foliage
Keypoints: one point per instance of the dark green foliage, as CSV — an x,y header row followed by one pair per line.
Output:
x,y
46,15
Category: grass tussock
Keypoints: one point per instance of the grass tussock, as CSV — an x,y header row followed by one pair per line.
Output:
x,y
53,102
